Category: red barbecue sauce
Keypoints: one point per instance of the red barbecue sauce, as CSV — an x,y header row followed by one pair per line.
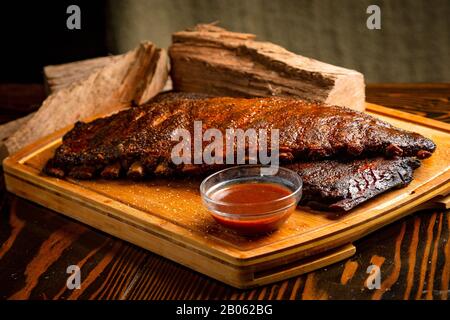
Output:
x,y
248,200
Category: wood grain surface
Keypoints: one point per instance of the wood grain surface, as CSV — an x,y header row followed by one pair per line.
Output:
x,y
166,216
37,245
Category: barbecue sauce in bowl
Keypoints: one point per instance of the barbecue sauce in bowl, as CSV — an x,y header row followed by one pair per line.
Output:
x,y
264,214
251,203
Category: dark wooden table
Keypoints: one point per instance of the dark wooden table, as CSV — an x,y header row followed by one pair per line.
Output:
x,y
38,244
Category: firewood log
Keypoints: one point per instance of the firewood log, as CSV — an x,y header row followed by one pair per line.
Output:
x,y
210,59
60,76
134,77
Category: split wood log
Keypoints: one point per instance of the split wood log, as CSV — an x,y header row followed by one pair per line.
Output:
x,y
134,77
7,129
60,76
212,60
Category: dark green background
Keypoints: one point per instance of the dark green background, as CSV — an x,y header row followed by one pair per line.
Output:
x,y
412,46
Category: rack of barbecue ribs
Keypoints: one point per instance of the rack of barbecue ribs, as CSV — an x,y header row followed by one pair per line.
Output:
x,y
345,157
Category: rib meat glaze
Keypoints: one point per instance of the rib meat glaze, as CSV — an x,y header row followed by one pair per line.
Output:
x,y
137,142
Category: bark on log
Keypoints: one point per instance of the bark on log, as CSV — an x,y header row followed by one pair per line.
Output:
x,y
134,77
60,76
7,129
212,60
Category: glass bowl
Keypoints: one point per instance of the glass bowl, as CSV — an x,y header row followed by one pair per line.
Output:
x,y
250,201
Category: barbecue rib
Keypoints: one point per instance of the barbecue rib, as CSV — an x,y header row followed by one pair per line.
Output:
x,y
138,140
342,185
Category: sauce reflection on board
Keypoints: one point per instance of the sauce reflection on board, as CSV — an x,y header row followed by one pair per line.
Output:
x,y
252,208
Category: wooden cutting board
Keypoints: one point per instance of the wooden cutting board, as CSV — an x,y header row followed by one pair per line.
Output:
x,y
168,218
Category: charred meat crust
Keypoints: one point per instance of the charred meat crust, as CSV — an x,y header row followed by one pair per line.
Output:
x,y
308,131
342,185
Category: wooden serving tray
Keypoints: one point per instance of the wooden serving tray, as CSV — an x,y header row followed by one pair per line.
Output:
x,y
168,218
